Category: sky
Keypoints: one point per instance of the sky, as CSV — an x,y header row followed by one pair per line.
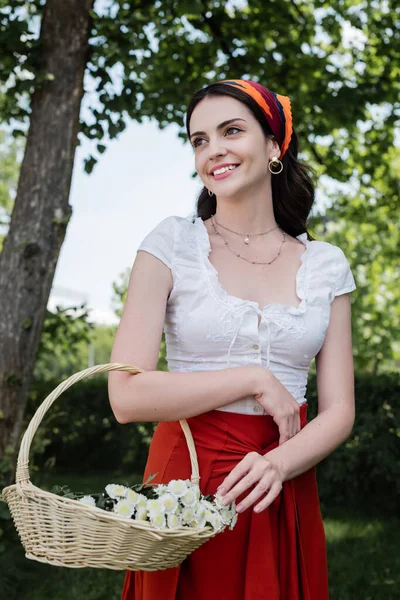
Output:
x,y
144,176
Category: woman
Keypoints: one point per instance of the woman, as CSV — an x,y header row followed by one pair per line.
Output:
x,y
246,301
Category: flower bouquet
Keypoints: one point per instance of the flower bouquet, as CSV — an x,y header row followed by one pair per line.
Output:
x,y
178,503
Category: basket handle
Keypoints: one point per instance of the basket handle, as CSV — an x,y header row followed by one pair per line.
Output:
x,y
22,472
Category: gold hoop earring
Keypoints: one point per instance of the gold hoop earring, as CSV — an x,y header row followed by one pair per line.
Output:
x,y
276,164
210,193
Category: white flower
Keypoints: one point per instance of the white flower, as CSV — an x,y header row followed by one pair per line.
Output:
x,y
124,508
141,513
155,506
218,501
169,502
160,489
234,520
173,521
209,506
178,487
132,496
226,515
216,521
188,515
201,516
116,491
208,515
142,502
88,500
190,498
158,520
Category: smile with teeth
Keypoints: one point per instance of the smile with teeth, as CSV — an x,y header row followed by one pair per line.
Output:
x,y
224,171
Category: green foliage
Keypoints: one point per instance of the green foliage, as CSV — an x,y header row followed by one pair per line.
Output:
x,y
80,431
10,156
61,352
120,290
365,471
101,341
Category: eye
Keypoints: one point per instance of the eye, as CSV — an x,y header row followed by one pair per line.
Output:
x,y
197,142
232,129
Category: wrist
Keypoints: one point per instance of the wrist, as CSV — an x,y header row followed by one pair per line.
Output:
x,y
261,378
273,457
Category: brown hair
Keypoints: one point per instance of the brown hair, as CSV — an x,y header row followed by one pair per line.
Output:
x,y
293,190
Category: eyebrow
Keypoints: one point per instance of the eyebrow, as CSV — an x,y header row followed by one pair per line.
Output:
x,y
220,126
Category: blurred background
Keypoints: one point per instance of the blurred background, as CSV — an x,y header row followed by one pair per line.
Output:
x,y
127,70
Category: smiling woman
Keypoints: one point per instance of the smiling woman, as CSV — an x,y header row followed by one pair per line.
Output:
x,y
247,300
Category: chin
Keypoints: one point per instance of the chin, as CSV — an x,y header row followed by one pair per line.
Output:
x,y
231,191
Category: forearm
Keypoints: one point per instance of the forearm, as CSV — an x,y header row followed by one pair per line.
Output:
x,y
161,396
314,442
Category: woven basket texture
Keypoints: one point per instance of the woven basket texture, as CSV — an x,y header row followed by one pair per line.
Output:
x,y
64,532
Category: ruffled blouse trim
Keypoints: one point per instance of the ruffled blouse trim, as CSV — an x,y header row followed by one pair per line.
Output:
x,y
220,292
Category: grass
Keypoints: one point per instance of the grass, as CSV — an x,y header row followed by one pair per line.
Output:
x,y
363,557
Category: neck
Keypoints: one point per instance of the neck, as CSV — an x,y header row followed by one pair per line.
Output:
x,y
249,214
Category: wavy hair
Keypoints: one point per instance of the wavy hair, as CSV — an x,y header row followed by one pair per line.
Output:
x,y
293,190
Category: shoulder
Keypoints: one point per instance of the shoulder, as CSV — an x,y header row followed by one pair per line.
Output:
x,y
169,226
329,262
326,250
160,241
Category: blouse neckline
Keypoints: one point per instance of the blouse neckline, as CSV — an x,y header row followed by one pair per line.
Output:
x,y
222,294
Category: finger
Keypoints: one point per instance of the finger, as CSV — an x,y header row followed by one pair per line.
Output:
x,y
270,497
237,473
244,484
260,490
293,423
296,422
293,428
284,431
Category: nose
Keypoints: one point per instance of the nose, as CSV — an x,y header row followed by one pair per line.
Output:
x,y
216,148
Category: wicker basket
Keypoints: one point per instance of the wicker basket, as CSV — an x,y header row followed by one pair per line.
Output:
x,y
64,532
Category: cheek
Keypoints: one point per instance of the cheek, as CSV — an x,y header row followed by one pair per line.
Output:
x,y
200,163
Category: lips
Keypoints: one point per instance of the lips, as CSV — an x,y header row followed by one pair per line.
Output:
x,y
225,173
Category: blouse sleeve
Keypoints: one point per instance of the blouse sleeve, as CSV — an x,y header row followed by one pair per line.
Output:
x,y
344,277
160,241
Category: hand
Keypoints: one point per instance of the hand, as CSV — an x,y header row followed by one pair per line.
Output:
x,y
280,404
253,469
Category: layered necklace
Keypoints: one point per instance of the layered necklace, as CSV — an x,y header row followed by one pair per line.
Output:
x,y
246,240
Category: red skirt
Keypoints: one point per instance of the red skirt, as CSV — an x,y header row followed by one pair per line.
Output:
x,y
278,554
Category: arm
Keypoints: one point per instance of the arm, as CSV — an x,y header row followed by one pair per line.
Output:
x,y
336,410
154,395
321,436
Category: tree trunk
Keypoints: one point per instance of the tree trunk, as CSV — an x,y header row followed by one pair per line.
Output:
x,y
41,211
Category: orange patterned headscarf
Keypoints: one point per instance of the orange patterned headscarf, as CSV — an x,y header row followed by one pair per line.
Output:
x,y
276,108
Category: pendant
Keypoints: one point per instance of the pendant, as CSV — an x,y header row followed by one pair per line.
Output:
x,y
246,239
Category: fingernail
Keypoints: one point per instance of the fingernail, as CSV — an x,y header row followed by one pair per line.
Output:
x,y
221,490
226,501
239,508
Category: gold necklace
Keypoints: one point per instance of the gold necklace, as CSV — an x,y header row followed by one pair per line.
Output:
x,y
247,236
253,262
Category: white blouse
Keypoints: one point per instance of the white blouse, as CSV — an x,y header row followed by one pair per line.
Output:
x,y
208,329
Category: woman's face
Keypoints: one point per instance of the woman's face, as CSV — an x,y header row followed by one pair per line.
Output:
x,y
231,150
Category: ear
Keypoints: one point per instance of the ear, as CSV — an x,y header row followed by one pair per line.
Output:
x,y
275,149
